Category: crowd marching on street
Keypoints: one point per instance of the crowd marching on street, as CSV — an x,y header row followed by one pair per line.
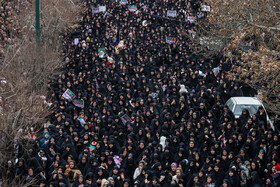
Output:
x,y
139,104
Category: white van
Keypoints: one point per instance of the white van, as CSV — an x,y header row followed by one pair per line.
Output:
x,y
252,104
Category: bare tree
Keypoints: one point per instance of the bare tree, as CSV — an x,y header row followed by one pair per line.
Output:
x,y
249,32
25,71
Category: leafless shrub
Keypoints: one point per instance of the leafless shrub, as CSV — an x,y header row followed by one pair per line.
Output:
x,y
25,70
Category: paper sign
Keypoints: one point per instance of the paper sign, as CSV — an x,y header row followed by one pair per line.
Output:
x,y
46,125
76,41
191,19
132,8
95,10
78,103
69,95
216,71
102,52
123,2
171,13
170,40
125,118
205,8
102,8
154,95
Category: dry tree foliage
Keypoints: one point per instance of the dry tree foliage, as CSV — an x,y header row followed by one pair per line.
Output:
x,y
249,30
25,70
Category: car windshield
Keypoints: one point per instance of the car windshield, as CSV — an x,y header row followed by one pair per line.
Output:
x,y
251,108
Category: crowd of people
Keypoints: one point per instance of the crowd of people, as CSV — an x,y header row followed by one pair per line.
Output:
x,y
10,31
138,105
6,25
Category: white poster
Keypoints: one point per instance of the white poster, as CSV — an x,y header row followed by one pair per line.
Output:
x,y
76,41
102,8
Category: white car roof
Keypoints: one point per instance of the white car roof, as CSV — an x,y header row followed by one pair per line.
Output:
x,y
246,100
